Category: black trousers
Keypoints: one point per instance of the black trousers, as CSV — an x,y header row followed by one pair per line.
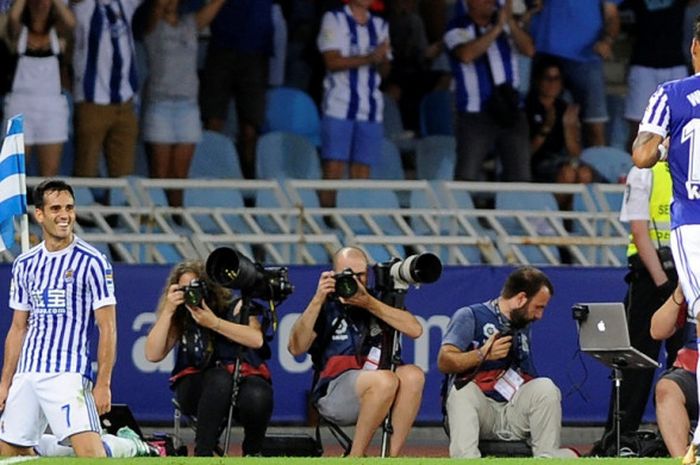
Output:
x,y
207,395
641,301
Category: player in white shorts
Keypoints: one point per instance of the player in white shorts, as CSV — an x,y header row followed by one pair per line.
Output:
x,y
668,129
60,290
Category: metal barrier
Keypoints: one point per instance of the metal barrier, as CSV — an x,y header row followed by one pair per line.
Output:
x,y
286,225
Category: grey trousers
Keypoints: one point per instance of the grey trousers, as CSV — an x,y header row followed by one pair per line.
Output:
x,y
534,413
478,135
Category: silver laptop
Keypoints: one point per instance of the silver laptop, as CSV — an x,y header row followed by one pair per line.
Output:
x,y
604,335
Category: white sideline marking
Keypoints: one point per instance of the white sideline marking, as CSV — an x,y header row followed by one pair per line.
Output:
x,y
18,459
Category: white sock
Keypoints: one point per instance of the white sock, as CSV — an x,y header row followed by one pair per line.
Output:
x,y
49,446
120,447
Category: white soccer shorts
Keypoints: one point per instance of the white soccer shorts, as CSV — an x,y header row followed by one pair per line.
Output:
x,y
62,400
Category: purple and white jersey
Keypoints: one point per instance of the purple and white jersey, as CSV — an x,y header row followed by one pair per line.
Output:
x,y
60,290
353,93
474,81
104,54
674,111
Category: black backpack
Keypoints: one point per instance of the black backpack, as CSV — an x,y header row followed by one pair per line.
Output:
x,y
641,443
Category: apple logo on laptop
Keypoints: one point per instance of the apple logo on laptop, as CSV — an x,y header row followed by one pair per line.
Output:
x,y
601,326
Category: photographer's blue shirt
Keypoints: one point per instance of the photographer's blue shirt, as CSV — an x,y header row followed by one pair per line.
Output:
x,y
470,328
344,337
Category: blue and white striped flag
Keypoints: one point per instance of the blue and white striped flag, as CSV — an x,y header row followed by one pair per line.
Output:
x,y
13,194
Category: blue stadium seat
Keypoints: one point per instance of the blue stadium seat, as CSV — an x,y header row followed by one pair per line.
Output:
x,y
437,114
292,110
611,163
282,155
544,201
215,157
436,157
389,165
371,198
419,200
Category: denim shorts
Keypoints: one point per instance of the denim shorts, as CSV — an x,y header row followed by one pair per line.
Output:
x,y
171,122
642,81
351,141
587,84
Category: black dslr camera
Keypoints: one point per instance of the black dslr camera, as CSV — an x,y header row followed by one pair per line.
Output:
x,y
233,270
194,292
345,284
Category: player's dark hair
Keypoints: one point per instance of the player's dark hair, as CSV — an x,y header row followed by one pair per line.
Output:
x,y
50,185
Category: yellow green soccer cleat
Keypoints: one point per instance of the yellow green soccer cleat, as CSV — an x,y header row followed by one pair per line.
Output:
x,y
690,458
143,449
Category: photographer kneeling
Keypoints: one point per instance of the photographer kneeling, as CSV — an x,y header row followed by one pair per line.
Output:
x,y
210,336
493,391
346,338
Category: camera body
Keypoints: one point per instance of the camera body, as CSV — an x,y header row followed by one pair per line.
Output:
x,y
345,284
229,268
194,292
506,331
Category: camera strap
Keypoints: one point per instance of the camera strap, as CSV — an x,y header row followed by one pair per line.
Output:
x,y
656,234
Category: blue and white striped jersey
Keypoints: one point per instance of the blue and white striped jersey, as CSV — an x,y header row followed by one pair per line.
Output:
x,y
354,93
674,111
472,81
103,59
60,290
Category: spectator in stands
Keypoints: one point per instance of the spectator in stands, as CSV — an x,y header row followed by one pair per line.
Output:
x,y
209,335
486,344
171,121
651,279
581,36
657,55
356,53
676,391
347,340
237,66
411,76
105,85
35,27
555,129
481,45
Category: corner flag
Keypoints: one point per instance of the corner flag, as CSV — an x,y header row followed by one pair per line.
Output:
x,y
13,190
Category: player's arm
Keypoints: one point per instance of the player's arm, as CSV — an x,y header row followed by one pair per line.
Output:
x,y
645,150
106,321
13,347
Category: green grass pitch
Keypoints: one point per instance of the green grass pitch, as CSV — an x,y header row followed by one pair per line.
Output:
x,y
345,461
